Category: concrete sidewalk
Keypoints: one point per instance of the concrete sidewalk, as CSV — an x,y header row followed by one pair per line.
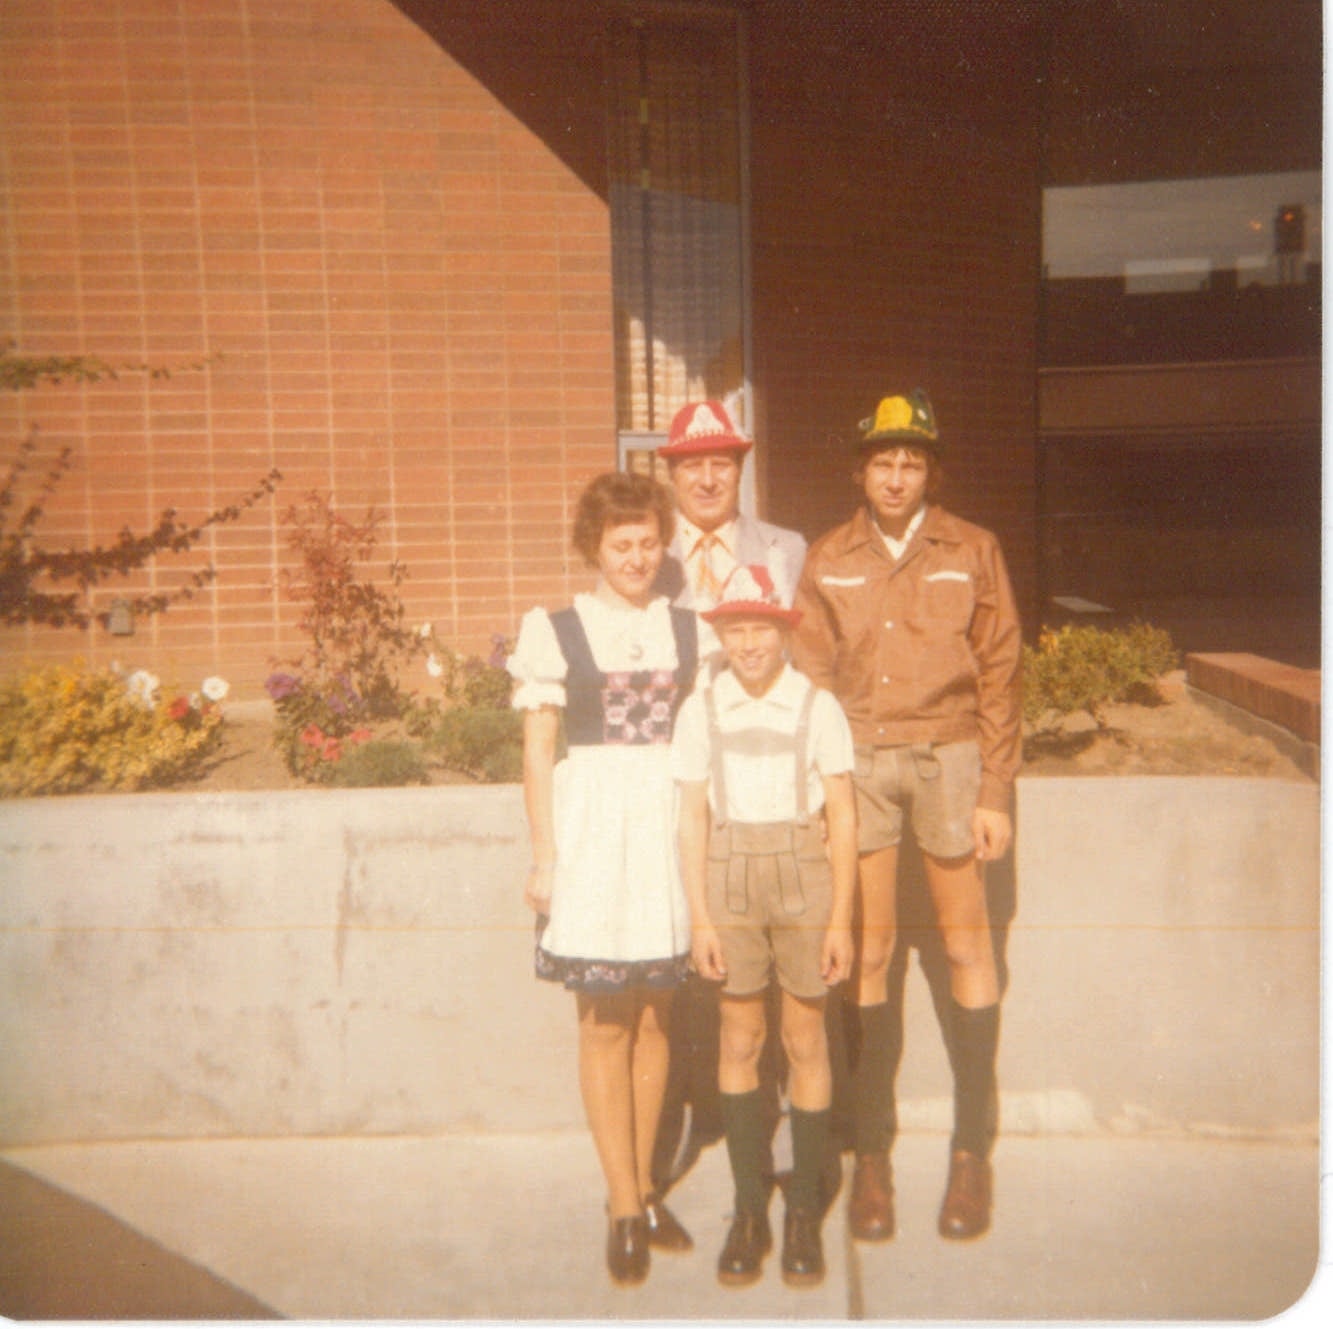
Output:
x,y
510,1227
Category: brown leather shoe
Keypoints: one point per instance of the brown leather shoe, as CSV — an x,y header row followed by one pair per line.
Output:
x,y
870,1208
742,1258
627,1250
664,1229
967,1201
802,1249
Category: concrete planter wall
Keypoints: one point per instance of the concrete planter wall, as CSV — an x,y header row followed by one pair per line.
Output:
x,y
359,962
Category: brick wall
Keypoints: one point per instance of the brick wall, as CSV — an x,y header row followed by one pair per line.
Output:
x,y
402,294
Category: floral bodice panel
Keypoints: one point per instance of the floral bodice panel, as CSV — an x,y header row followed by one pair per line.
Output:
x,y
630,706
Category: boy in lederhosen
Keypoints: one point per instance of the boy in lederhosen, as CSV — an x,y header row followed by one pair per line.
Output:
x,y
763,760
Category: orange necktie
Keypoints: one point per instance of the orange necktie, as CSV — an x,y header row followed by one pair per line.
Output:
x,y
706,580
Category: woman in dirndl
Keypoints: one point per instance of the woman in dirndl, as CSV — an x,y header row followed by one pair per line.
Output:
x,y
613,923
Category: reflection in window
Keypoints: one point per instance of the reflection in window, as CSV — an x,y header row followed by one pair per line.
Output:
x,y
1174,235
675,196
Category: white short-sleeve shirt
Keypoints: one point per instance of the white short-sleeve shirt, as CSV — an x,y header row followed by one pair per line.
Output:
x,y
760,784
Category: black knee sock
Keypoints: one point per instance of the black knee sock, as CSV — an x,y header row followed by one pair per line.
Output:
x,y
880,1048
743,1122
974,1044
809,1148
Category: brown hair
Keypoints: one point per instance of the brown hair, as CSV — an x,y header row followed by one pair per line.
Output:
x,y
934,467
616,499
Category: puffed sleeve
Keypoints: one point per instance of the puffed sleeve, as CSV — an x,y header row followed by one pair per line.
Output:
x,y
537,665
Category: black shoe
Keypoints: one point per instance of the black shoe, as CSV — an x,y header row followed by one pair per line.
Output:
x,y
627,1250
742,1258
664,1229
802,1249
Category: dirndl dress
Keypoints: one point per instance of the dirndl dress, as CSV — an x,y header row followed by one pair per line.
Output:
x,y
618,914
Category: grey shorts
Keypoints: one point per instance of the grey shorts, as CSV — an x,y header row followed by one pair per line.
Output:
x,y
936,785
770,896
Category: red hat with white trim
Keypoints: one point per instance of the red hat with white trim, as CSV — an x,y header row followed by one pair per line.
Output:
x,y
749,593
702,426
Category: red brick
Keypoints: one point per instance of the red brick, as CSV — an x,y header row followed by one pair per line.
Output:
x,y
1282,694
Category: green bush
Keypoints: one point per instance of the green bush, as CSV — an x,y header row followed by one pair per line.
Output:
x,y
1086,669
484,743
380,763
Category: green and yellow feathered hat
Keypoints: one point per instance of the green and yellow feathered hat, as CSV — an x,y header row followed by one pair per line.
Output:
x,y
908,419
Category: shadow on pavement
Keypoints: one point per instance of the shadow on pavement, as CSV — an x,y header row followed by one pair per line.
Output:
x,y
62,1258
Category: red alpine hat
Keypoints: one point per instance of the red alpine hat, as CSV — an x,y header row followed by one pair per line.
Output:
x,y
702,426
749,593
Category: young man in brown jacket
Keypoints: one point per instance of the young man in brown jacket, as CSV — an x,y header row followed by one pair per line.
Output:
x,y
909,620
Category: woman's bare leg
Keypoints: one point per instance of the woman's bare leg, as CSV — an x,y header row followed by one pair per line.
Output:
x,y
650,1060
606,1049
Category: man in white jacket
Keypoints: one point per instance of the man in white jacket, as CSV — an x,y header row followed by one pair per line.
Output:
x,y
704,453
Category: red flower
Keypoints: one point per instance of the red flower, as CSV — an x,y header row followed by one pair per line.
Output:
x,y
312,735
332,750
179,708
360,735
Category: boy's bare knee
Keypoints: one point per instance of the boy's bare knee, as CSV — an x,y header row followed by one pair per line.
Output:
x,y
741,1038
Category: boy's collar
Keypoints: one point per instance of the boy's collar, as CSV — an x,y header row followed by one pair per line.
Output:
x,y
783,691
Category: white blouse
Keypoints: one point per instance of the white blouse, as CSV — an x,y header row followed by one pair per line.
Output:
x,y
621,636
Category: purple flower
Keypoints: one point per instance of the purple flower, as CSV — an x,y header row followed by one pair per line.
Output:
x,y
280,686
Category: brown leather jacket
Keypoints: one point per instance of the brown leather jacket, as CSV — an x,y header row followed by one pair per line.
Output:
x,y
924,649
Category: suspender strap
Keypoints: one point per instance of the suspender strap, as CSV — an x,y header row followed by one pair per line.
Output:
x,y
799,747
800,744
715,760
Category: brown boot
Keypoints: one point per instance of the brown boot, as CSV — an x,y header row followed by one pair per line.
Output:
x,y
967,1201
870,1208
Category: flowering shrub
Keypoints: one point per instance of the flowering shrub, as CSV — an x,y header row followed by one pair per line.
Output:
x,y
66,729
348,675
357,637
380,762
468,680
471,726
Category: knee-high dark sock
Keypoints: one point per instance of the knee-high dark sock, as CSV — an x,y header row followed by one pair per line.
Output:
x,y
975,1042
743,1122
880,1049
809,1148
